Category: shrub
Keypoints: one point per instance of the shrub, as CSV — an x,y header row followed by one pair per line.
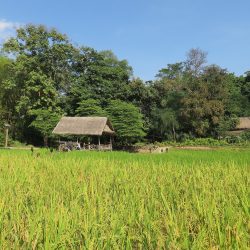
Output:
x,y
198,142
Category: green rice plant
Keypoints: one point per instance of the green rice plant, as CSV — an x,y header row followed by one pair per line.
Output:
x,y
116,200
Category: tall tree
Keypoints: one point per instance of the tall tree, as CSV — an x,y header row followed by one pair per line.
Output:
x,y
40,73
127,121
195,62
245,91
164,124
5,101
98,75
204,105
4,113
168,91
172,71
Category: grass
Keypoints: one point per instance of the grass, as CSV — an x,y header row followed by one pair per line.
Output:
x,y
91,200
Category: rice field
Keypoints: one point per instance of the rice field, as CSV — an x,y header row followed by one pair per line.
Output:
x,y
116,200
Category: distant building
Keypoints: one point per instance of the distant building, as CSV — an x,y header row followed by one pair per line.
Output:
x,y
86,126
242,126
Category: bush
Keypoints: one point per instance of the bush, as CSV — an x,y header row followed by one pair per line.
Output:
x,y
242,139
231,140
205,142
198,142
246,136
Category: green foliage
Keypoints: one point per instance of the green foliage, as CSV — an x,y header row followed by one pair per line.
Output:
x,y
204,99
40,93
204,142
172,71
100,76
127,121
246,136
139,94
226,124
229,140
46,72
241,139
244,85
203,108
164,121
40,49
5,71
39,75
5,63
90,107
44,121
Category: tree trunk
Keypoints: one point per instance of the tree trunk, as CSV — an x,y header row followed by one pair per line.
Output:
x,y
6,137
174,134
110,141
99,144
45,140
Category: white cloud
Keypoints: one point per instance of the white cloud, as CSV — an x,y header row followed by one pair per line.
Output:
x,y
7,29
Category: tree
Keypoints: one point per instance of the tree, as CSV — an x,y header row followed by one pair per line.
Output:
x,y
167,92
5,64
42,49
48,75
90,107
100,76
234,103
196,59
226,124
5,72
44,122
39,76
4,67
203,107
40,93
245,94
165,123
172,71
127,121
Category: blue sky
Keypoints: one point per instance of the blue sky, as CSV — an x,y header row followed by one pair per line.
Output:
x,y
150,33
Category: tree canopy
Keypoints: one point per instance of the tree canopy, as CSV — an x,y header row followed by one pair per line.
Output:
x,y
127,121
43,75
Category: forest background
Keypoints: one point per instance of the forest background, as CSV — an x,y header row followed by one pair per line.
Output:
x,y
44,76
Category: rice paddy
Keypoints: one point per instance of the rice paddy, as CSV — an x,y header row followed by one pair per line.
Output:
x,y
116,200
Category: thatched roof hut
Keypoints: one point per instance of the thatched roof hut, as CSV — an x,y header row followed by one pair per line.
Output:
x,y
243,125
84,126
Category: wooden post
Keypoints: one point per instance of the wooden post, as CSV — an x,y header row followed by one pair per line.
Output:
x,y
99,144
6,134
88,144
111,143
6,137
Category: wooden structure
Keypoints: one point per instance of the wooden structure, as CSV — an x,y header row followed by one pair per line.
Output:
x,y
152,149
86,126
242,126
7,126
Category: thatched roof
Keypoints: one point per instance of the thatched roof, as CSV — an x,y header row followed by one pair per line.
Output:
x,y
83,126
244,123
